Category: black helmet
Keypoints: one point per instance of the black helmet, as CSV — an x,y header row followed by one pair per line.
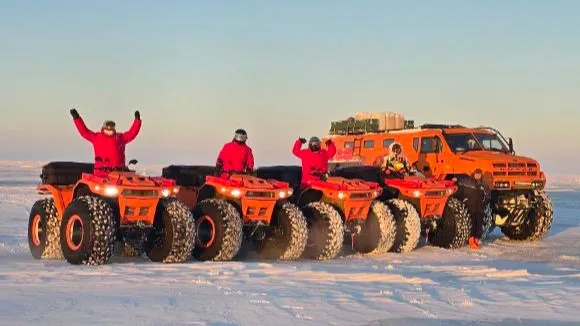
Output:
x,y
240,136
314,144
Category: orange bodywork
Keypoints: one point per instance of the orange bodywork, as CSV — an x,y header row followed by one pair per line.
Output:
x,y
429,196
136,195
428,149
352,196
255,197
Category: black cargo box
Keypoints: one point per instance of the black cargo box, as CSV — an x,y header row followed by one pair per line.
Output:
x,y
188,175
64,173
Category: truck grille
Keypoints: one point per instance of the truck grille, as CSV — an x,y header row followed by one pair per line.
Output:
x,y
502,169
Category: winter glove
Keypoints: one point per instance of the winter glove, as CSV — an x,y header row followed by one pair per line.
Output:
x,y
74,113
328,141
302,140
249,171
137,115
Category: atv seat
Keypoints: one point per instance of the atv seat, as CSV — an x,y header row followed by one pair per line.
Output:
x,y
188,175
64,173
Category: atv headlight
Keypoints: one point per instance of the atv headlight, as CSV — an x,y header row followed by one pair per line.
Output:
x,y
175,190
165,192
236,192
375,193
282,194
111,191
416,194
341,195
290,192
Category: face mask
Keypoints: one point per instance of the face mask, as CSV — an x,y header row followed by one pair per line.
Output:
x,y
109,132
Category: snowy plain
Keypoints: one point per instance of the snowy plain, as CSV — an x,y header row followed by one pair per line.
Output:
x,y
505,283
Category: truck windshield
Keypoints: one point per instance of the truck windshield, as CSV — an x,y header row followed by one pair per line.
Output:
x,y
491,142
462,142
478,142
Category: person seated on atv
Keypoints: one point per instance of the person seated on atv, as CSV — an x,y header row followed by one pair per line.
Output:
x,y
395,164
108,144
235,156
314,159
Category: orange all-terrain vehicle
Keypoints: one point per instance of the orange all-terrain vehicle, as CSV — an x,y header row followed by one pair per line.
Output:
x,y
87,214
519,204
334,206
419,205
227,209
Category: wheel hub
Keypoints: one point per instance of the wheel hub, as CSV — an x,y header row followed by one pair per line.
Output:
x,y
74,232
37,230
205,234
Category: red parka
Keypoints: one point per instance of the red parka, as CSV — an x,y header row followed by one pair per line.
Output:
x,y
235,157
111,149
313,162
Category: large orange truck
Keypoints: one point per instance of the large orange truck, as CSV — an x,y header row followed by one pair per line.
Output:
x,y
519,203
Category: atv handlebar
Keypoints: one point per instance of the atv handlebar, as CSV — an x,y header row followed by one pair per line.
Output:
x,y
116,168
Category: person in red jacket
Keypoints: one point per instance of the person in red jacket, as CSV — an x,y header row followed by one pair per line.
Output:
x,y
235,156
108,144
314,159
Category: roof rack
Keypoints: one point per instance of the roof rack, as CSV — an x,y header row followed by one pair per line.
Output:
x,y
439,126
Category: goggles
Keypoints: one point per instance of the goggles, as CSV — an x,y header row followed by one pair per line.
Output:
x,y
241,137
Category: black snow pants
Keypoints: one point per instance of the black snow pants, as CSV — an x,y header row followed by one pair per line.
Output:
x,y
475,195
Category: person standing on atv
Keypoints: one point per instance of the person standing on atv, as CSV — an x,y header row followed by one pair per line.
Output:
x,y
314,159
475,194
395,163
235,156
108,144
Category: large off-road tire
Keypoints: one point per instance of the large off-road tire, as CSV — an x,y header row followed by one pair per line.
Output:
x,y
325,231
378,232
454,227
408,225
287,239
488,222
173,235
87,231
538,223
219,232
44,230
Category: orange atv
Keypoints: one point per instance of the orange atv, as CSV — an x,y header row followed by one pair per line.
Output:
x,y
418,203
334,206
227,209
87,214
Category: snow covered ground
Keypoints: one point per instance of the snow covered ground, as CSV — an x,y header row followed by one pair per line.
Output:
x,y
505,283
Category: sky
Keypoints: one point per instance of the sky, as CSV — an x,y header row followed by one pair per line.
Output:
x,y
198,70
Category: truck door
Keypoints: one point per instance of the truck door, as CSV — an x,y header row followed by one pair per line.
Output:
x,y
428,162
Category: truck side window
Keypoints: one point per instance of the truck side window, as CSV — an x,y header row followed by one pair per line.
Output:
x,y
387,142
348,144
369,144
416,144
430,145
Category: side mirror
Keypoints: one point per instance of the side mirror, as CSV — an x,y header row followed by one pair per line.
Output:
x,y
511,144
133,162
